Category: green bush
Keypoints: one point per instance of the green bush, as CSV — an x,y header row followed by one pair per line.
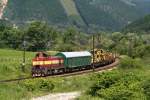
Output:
x,y
38,84
129,63
116,93
116,85
103,81
29,85
146,88
45,85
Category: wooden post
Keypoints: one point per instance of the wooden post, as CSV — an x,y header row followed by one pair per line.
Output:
x,y
93,53
24,56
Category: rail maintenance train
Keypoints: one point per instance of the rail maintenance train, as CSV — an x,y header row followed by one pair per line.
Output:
x,y
64,62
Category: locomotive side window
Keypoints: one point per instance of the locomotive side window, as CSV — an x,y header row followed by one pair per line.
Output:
x,y
45,55
41,54
37,55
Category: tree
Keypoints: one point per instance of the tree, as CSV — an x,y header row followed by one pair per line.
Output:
x,y
38,36
11,37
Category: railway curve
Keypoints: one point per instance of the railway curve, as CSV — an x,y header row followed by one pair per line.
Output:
x,y
98,69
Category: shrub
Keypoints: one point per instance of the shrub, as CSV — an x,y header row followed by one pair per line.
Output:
x,y
116,85
129,63
146,88
116,93
29,85
38,84
45,85
103,81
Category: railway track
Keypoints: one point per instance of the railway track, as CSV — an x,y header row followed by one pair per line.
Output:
x,y
106,67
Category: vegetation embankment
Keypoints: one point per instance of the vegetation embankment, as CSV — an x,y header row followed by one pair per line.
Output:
x,y
129,82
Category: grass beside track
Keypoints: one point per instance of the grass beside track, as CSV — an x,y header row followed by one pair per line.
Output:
x,y
11,64
31,88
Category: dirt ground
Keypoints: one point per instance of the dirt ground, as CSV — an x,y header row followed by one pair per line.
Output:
x,y
59,96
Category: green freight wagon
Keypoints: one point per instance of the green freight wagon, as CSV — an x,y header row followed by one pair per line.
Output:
x,y
75,59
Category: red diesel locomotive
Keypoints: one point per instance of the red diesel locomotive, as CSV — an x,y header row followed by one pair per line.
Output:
x,y
43,63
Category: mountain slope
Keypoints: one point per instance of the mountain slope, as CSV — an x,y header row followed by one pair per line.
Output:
x,y
21,11
104,15
141,25
72,12
109,14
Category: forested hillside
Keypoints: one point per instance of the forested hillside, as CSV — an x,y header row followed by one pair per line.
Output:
x,y
142,25
23,11
110,15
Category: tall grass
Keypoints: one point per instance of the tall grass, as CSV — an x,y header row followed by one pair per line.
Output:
x,y
11,62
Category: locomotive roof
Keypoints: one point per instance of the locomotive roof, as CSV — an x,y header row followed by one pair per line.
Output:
x,y
76,54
